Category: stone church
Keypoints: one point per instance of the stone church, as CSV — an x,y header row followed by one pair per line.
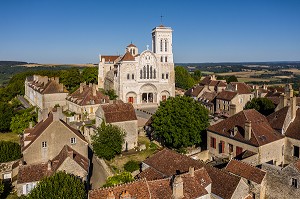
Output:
x,y
141,79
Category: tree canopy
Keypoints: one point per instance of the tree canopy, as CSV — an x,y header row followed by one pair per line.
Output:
x,y
6,111
231,79
9,151
262,105
108,141
60,185
180,121
90,75
1,188
197,76
121,178
21,121
132,166
183,79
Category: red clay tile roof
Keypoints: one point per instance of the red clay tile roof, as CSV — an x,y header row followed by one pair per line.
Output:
x,y
150,174
194,91
224,184
293,130
226,95
33,173
277,118
128,57
131,45
262,132
274,99
221,84
245,170
206,80
69,152
242,88
86,97
169,162
118,112
210,96
110,58
52,86
245,154
137,189
297,164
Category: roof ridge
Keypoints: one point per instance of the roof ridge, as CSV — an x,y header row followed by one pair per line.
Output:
x,y
245,164
118,185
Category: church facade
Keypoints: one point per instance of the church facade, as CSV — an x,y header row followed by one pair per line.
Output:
x,y
141,79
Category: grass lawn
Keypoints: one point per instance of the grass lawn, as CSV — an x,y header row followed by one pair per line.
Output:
x,y
118,162
13,137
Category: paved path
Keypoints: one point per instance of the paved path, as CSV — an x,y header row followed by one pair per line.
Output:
x,y
23,101
98,174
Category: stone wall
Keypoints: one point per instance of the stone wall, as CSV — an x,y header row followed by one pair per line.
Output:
x,y
131,129
272,151
72,167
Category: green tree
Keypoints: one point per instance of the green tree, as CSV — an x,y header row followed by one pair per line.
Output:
x,y
197,76
90,75
182,78
21,121
71,79
231,79
121,178
60,185
108,141
262,105
131,166
111,94
1,188
6,114
9,151
180,121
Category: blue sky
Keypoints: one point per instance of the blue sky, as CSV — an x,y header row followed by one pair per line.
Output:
x,y
76,31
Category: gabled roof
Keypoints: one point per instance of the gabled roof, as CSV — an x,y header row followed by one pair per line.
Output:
x,y
226,95
131,45
150,174
242,88
262,132
33,172
245,170
128,57
50,86
210,96
118,112
293,130
194,91
168,162
245,154
86,97
38,129
277,118
110,58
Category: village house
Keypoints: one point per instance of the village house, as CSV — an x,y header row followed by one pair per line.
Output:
x,y
85,101
226,103
247,130
122,115
45,92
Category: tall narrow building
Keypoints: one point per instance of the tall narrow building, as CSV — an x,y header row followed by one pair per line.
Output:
x,y
141,79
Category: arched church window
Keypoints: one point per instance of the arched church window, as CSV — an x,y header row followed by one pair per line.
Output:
x,y
150,72
166,59
144,70
132,76
163,76
161,59
134,51
128,76
166,45
161,45
141,74
167,76
154,74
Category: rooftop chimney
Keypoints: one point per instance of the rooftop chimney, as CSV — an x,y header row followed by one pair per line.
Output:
x,y
49,165
177,188
111,195
236,87
232,109
282,101
94,88
248,130
293,107
125,195
81,87
192,171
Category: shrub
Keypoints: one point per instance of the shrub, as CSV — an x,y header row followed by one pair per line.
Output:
x,y
9,151
132,166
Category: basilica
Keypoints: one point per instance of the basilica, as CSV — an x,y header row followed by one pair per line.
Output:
x,y
145,78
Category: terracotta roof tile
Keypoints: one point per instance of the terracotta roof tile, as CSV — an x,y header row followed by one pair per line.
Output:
x,y
49,87
210,96
297,164
128,57
131,45
33,173
274,99
242,88
226,95
194,91
262,132
118,112
245,170
110,58
277,118
245,154
293,129
150,174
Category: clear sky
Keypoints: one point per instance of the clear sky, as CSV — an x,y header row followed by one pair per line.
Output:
x,y
77,31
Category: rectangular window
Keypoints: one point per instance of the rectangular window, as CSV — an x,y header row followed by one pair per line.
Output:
x,y
167,76
163,76
221,147
294,182
213,142
296,151
44,144
239,150
73,140
230,148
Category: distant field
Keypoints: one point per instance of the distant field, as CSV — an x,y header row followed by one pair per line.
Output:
x,y
245,74
293,70
13,137
53,65
245,79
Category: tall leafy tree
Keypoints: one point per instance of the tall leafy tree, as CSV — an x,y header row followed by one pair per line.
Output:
x,y
108,141
6,111
9,151
121,178
60,185
197,76
182,78
90,75
111,94
71,79
262,105
21,121
231,79
180,121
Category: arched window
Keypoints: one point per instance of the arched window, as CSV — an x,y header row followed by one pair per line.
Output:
x,y
134,51
150,72
128,76
141,74
144,70
166,45
163,76
166,59
154,74
167,76
161,45
132,76
161,59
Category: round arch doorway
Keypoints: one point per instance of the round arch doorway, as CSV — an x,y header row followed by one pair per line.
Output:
x,y
148,93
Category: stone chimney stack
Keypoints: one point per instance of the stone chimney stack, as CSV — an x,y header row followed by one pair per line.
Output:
x,y
248,130
94,88
236,87
232,109
293,107
49,165
81,87
282,101
177,188
43,114
111,195
192,171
